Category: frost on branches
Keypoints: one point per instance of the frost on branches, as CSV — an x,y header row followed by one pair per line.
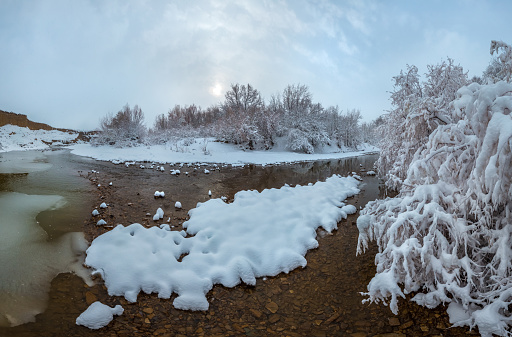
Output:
x,y
418,109
448,233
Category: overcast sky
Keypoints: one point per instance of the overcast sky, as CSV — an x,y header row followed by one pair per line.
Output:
x,y
68,63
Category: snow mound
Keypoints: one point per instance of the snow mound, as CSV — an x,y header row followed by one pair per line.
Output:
x,y
98,315
158,215
103,205
101,222
95,212
159,194
257,235
177,204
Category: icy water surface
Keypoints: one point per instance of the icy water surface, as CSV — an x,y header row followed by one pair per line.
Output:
x,y
41,207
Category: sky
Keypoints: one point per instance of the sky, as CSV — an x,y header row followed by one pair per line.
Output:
x,y
69,63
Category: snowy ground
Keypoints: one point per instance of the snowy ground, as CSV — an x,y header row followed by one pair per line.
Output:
x,y
257,235
15,138
205,151
191,150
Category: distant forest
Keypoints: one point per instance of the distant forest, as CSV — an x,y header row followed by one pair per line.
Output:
x,y
289,119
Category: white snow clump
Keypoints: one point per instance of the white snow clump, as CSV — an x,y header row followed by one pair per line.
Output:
x,y
159,194
95,212
259,234
98,315
177,204
103,205
101,222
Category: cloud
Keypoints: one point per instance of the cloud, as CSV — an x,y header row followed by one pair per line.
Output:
x,y
69,63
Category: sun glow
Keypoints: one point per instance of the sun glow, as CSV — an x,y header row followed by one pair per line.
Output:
x,y
216,89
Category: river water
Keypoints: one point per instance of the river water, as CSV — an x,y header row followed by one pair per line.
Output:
x,y
43,202
322,299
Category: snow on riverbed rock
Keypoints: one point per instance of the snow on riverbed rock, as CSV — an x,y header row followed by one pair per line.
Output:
x,y
101,222
177,204
103,205
371,173
159,194
257,235
98,315
158,215
95,212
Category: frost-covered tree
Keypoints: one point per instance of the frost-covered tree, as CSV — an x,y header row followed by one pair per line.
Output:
x,y
418,109
126,128
242,106
243,99
447,236
505,59
302,119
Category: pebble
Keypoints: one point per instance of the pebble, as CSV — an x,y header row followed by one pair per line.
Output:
x,y
90,298
256,313
394,321
272,307
148,310
274,318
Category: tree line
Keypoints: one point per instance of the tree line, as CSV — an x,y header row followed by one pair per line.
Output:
x,y
290,119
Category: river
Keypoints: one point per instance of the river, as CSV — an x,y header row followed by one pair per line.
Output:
x,y
322,299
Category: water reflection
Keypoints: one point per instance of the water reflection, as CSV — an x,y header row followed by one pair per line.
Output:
x,y
39,227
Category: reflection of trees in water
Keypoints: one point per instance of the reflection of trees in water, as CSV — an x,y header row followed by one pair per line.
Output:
x,y
275,176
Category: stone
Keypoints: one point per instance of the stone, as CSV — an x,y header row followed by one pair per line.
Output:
x,y
424,328
148,310
358,334
272,307
274,318
394,321
256,313
147,321
406,325
333,318
90,298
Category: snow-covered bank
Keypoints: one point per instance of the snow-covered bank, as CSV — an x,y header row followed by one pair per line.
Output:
x,y
15,138
258,234
205,151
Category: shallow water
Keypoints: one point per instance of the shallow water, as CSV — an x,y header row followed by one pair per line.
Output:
x,y
41,208
322,299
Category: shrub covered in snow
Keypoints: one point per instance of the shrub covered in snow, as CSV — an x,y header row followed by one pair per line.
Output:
x,y
126,128
447,236
418,109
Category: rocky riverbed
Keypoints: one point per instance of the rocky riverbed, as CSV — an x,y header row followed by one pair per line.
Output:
x,y
323,299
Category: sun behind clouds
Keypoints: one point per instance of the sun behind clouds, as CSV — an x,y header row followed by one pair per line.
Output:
x,y
216,89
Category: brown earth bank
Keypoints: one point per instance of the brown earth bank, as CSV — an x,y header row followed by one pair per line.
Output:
x,y
322,299
23,121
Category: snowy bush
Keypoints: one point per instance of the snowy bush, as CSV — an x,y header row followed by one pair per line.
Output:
x,y
447,236
126,128
418,109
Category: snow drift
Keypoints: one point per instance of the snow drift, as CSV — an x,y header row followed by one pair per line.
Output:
x,y
259,234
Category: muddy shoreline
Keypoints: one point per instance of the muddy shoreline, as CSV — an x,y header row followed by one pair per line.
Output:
x,y
321,299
